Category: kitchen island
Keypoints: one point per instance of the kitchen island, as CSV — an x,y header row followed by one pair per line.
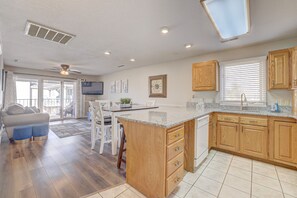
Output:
x,y
160,143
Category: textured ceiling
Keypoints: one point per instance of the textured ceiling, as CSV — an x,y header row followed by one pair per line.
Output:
x,y
129,29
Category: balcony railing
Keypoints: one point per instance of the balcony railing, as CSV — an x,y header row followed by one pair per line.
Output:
x,y
51,106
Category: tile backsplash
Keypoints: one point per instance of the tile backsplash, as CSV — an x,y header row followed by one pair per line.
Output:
x,y
283,109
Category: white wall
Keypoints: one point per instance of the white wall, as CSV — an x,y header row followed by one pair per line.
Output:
x,y
179,76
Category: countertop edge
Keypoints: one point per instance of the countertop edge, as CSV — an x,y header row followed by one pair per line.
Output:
x,y
201,114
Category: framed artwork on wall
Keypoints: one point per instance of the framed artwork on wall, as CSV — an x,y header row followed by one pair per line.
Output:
x,y
158,86
118,86
113,87
124,86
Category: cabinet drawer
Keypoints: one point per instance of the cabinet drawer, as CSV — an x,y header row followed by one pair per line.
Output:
x,y
174,180
175,149
175,163
228,118
173,136
254,121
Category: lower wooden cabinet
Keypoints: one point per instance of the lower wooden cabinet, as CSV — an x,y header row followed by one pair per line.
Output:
x,y
253,141
212,135
285,142
228,136
262,137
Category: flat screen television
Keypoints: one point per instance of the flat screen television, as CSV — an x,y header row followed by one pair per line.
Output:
x,y
92,88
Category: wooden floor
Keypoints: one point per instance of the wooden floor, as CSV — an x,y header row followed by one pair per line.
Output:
x,y
57,167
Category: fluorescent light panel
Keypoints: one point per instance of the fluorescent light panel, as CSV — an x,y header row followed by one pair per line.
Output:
x,y
230,17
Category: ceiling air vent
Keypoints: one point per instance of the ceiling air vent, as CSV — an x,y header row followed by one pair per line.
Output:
x,y
50,34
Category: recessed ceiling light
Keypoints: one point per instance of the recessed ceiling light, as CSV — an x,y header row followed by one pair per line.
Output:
x,y
188,45
164,30
107,53
132,60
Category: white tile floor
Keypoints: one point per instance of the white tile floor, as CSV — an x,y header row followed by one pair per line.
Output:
x,y
226,176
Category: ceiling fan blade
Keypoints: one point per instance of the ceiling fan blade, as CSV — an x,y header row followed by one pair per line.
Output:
x,y
74,71
54,69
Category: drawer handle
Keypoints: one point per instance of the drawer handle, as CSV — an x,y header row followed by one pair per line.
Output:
x,y
177,163
227,119
177,135
177,180
177,148
253,121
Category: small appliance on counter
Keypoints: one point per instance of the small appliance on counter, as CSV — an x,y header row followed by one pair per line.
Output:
x,y
275,108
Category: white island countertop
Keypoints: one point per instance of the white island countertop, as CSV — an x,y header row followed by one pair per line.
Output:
x,y
171,116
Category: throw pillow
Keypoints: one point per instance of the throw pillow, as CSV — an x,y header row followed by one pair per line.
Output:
x,y
15,109
29,110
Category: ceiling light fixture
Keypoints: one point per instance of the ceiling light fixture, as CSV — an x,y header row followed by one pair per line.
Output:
x,y
230,18
64,70
164,30
187,46
132,60
107,53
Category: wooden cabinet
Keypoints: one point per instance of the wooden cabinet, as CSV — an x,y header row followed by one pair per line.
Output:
x,y
279,69
294,102
253,140
228,136
294,67
243,134
205,76
285,142
212,135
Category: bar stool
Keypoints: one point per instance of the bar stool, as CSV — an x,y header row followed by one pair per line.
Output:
x,y
122,149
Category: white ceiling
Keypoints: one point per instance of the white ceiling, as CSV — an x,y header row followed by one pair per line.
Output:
x,y
129,29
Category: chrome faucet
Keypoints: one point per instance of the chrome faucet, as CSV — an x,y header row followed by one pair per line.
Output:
x,y
242,99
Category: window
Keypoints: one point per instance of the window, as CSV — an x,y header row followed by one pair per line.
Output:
x,y
244,76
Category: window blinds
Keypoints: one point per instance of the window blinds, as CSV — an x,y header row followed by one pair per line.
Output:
x,y
244,76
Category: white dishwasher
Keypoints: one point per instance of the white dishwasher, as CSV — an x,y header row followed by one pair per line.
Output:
x,y
201,139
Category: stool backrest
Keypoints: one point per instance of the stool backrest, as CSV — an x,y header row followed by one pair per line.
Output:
x,y
96,112
104,103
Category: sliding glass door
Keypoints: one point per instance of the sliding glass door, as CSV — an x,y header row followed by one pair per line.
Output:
x,y
68,100
27,92
52,98
58,99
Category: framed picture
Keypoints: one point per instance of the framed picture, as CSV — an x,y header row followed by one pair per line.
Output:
x,y
118,86
158,86
113,87
124,86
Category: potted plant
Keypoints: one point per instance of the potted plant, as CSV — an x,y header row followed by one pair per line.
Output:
x,y
126,102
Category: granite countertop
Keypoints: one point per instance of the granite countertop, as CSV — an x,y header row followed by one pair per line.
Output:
x,y
171,116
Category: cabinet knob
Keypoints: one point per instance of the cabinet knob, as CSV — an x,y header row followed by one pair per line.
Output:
x,y
177,148
177,179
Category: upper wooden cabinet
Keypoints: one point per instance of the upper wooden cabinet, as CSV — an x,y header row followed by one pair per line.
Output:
x,y
285,142
205,76
279,69
294,67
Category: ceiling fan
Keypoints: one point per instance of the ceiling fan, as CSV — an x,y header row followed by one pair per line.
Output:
x,y
65,70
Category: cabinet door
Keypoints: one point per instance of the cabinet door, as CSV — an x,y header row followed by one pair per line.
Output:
x,y
228,136
294,68
253,140
204,76
279,77
285,142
